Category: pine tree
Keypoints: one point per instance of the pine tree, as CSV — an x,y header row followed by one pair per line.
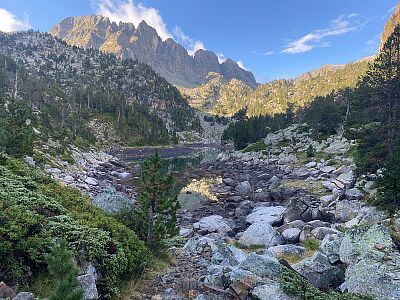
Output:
x,y
16,133
389,183
62,269
157,217
375,108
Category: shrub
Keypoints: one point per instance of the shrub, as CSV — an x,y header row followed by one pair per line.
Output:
x,y
61,267
310,151
256,147
389,183
34,210
16,133
311,244
295,285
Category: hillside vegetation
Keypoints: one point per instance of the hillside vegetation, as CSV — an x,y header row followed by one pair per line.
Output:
x,y
223,97
67,87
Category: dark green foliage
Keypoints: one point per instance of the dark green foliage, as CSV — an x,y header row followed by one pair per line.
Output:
x,y
157,216
250,130
259,146
389,183
72,88
375,108
295,285
324,115
62,269
16,133
310,151
34,210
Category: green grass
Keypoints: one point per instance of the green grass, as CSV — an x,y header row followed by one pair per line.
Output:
x,y
256,147
312,244
252,248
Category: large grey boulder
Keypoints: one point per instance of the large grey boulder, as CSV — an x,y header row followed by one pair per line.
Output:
x,y
260,234
214,223
338,146
270,214
227,255
91,181
269,291
264,266
88,284
242,281
197,244
291,235
112,201
360,243
347,210
24,296
216,276
320,232
300,209
229,182
294,224
319,271
330,246
244,188
372,262
376,278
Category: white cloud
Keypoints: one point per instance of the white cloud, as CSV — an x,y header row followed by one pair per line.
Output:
x,y
127,11
267,53
221,57
241,65
339,26
191,45
9,22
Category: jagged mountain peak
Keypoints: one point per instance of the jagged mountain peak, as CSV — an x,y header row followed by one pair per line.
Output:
x,y
168,58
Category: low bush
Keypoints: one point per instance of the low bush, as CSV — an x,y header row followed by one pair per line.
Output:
x,y
34,210
294,284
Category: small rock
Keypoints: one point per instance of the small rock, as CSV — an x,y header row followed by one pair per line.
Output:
x,y
271,215
321,232
24,296
6,291
91,181
244,188
269,291
260,234
291,235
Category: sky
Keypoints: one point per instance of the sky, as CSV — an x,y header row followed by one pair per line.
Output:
x,y
273,39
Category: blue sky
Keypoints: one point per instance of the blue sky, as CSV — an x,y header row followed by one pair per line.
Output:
x,y
274,39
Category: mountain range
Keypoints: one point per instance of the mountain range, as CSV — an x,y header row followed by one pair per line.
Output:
x,y
168,58
221,96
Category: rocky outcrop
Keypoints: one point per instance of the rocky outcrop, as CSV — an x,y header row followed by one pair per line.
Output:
x,y
372,262
391,24
168,58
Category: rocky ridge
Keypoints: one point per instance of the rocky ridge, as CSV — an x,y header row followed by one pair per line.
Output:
x,y
221,96
168,58
390,25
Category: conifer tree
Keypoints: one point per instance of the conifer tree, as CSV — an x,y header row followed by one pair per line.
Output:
x,y
61,267
375,108
157,217
389,183
16,133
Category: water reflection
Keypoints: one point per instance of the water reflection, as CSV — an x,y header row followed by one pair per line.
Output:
x,y
198,192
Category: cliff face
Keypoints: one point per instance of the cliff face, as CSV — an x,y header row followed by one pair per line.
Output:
x,y
168,58
391,24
